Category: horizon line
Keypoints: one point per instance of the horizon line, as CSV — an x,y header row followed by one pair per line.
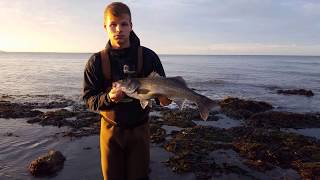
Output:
x,y
169,54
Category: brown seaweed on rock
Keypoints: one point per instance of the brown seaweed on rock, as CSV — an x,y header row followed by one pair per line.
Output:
x,y
309,170
14,110
286,150
274,119
47,164
192,146
242,109
55,118
264,149
183,118
157,134
82,123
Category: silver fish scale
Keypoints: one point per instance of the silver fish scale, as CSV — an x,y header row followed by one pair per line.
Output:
x,y
169,87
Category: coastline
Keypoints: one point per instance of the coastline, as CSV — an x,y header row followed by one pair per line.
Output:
x,y
63,125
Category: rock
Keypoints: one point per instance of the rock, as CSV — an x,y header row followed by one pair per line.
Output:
x,y
55,118
301,92
82,132
200,165
240,131
198,138
242,109
73,119
157,134
47,164
14,110
34,120
180,118
77,119
309,170
10,134
43,101
60,104
50,102
274,119
259,165
278,148
82,122
87,148
191,148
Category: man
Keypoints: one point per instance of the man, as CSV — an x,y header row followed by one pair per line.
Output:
x,y
124,134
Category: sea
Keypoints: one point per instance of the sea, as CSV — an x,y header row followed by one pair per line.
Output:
x,y
41,77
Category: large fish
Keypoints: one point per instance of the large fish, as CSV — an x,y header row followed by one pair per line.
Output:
x,y
175,88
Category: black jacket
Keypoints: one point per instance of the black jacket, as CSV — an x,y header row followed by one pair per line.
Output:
x,y
96,88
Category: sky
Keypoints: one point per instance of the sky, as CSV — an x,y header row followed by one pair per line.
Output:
x,y
272,27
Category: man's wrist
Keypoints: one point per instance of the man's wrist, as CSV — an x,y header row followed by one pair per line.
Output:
x,y
108,99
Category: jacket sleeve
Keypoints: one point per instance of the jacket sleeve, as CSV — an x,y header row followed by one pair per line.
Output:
x,y
156,63
94,96
158,66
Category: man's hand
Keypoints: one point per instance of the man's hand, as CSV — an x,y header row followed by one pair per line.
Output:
x,y
164,101
115,94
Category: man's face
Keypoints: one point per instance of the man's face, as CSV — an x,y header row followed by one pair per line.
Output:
x,y
118,29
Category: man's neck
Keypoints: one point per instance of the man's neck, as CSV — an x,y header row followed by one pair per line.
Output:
x,y
120,46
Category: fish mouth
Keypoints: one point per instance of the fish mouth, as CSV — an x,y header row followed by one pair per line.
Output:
x,y
116,84
128,86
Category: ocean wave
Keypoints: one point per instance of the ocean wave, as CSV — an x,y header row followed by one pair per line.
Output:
x,y
40,98
209,82
209,85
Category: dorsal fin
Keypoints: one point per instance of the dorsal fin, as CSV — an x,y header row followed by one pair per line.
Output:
x,y
179,80
153,75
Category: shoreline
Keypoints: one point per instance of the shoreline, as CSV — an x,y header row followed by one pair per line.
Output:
x,y
228,131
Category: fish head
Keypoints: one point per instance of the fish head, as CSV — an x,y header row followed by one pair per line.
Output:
x,y
128,86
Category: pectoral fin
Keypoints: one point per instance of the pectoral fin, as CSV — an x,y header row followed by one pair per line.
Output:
x,y
145,103
143,91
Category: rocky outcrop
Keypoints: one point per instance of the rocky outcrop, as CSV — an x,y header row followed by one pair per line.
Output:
x,y
302,92
242,109
191,148
287,150
157,134
274,119
81,121
180,118
55,118
14,110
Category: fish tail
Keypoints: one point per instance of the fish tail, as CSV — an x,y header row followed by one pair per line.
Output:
x,y
205,105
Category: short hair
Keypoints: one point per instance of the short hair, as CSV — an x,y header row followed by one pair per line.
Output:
x,y
117,9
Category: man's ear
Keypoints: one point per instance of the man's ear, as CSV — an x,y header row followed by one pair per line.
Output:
x,y
105,27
